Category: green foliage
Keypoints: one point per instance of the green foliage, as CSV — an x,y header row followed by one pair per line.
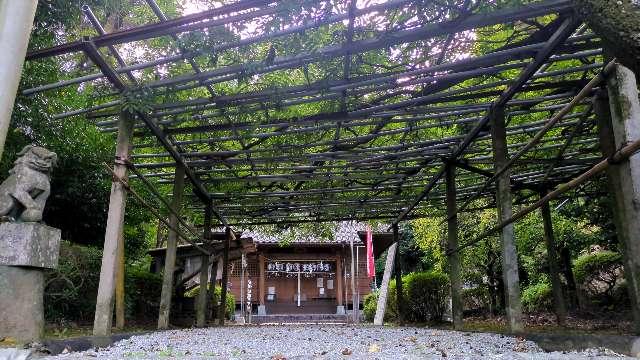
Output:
x,y
425,296
599,275
231,301
589,266
139,99
71,289
369,306
537,297
475,298
429,235
142,292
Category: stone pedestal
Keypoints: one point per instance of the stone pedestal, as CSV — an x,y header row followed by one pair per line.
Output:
x,y
340,310
262,310
26,250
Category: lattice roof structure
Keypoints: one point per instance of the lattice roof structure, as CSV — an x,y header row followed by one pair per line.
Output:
x,y
288,112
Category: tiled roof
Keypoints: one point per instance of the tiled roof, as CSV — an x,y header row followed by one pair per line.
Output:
x,y
345,232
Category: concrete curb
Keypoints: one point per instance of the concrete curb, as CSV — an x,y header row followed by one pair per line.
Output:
x,y
622,344
83,343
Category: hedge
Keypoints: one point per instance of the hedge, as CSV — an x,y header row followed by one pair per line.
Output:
x,y
424,293
426,296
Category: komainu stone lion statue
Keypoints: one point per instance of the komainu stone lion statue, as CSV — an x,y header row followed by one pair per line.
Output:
x,y
24,193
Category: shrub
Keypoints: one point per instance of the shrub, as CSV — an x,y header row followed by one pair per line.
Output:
x,y
475,299
369,306
426,296
71,289
142,293
599,274
538,297
231,301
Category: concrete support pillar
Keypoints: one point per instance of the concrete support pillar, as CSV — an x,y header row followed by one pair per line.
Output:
x,y
619,127
384,287
340,310
503,199
225,276
115,221
203,296
452,246
120,320
559,305
398,273
172,246
16,21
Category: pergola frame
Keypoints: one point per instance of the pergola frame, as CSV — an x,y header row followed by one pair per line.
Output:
x,y
503,118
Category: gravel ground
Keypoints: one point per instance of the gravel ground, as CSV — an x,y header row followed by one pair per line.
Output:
x,y
326,342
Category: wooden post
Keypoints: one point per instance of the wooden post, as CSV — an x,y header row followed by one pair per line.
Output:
x,y
354,307
115,221
225,277
212,287
262,310
339,295
622,128
120,284
203,296
398,272
384,287
503,199
172,246
16,21
554,271
452,244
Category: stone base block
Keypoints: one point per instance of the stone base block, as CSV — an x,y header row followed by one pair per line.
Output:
x,y
29,244
262,310
21,303
340,310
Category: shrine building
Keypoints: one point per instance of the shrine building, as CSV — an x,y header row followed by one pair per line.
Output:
x,y
299,276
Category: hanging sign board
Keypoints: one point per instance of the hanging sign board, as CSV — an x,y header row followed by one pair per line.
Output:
x,y
300,266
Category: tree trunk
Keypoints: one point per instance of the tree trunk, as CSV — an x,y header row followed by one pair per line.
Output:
x,y
617,22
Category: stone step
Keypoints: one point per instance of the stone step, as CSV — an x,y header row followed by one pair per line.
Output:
x,y
299,318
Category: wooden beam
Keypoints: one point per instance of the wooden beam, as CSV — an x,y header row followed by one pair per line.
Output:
x,y
92,52
564,31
